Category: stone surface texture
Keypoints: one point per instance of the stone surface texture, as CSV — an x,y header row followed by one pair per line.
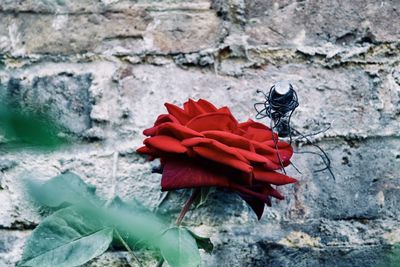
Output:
x,y
106,67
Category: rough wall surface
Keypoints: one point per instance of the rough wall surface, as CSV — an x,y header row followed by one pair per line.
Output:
x,y
105,68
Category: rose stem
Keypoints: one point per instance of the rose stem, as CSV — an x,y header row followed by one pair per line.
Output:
x,y
183,212
188,203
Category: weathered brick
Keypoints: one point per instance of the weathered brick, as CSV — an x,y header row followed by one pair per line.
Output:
x,y
293,23
64,96
107,67
354,100
132,31
11,244
96,6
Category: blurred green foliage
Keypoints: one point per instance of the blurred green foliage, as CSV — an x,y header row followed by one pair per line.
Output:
x,y
85,226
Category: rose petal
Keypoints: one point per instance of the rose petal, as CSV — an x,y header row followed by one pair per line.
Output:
x,y
223,158
285,149
251,156
257,131
163,118
245,125
213,121
272,177
272,154
253,124
151,131
178,113
193,108
181,173
214,145
143,150
224,110
255,204
252,190
229,139
274,193
248,191
153,154
195,141
259,135
178,131
207,106
165,144
279,144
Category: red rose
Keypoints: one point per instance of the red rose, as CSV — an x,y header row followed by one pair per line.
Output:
x,y
202,146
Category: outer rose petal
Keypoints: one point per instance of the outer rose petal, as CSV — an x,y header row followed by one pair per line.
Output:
x,y
263,149
251,192
195,141
152,153
259,135
274,193
213,121
213,144
143,150
256,204
272,154
256,131
223,158
217,152
176,130
178,113
272,177
229,139
165,144
253,124
224,110
207,106
165,118
193,108
285,149
180,173
254,157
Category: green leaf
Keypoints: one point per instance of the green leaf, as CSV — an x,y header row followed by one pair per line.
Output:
x,y
203,242
88,218
67,188
179,248
138,226
70,237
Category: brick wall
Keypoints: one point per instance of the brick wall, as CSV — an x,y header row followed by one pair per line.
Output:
x,y
105,68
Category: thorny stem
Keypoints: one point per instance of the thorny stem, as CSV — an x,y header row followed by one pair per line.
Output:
x,y
186,208
183,212
128,249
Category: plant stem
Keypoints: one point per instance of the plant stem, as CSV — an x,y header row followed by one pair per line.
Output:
x,y
128,249
183,212
186,208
